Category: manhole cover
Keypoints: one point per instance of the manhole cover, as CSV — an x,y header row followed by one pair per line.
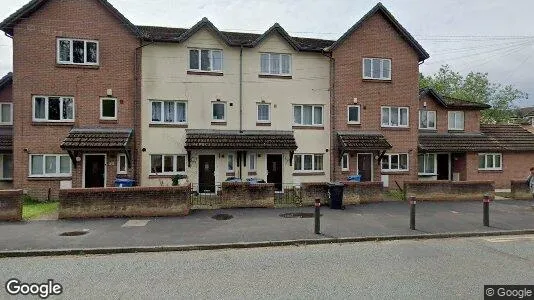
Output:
x,y
74,233
222,217
297,215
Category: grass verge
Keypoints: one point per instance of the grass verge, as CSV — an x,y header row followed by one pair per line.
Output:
x,y
33,209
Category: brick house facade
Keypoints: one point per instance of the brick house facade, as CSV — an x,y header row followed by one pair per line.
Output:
x,y
6,131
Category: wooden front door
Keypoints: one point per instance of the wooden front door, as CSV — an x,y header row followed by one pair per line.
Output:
x,y
365,166
274,170
206,173
95,170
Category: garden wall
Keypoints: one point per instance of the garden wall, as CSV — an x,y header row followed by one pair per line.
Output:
x,y
10,205
520,190
244,194
445,190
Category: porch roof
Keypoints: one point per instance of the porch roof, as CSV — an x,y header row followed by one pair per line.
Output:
x,y
510,137
362,141
97,139
457,142
235,139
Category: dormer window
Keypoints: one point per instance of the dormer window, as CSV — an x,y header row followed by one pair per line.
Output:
x,y
77,52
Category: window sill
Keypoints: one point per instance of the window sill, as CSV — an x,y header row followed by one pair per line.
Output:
x,y
6,125
395,128
428,130
308,127
53,123
490,171
55,178
263,124
426,174
77,66
168,125
207,73
376,80
6,179
152,176
456,130
403,172
308,173
219,123
108,121
275,76
345,171
354,124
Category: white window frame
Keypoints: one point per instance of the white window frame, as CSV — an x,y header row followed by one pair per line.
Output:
x,y
225,111
359,114
162,112
250,156
119,157
46,119
211,60
302,170
270,72
268,112
71,55
2,122
399,108
449,118
389,155
419,162
58,166
174,164
381,68
435,119
486,155
102,108
2,166
228,170
313,124
345,158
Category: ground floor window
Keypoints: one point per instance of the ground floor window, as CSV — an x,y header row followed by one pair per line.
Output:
x,y
489,161
122,164
395,162
50,165
167,164
427,164
308,162
252,161
230,163
345,162
7,166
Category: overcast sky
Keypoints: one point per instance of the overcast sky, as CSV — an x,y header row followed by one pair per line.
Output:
x,y
476,35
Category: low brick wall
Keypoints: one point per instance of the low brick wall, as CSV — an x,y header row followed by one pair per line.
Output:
x,y
244,194
445,190
124,202
363,192
314,190
10,205
519,190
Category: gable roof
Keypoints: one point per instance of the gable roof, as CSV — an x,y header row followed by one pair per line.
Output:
x,y
450,102
379,8
7,79
32,6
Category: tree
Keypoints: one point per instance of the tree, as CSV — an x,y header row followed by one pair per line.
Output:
x,y
476,87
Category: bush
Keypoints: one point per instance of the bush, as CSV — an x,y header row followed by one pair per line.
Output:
x,y
176,179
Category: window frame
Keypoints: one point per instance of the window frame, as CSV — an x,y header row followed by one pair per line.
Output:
x,y
389,125
3,178
47,104
435,119
228,170
174,164
10,113
449,123
119,171
58,173
389,170
225,112
381,68
486,155
345,158
71,48
302,159
258,112
255,155
313,106
270,73
211,50
359,114
102,99
424,164
162,112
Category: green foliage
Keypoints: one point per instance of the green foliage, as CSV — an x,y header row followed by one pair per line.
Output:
x,y
396,195
476,87
176,179
32,209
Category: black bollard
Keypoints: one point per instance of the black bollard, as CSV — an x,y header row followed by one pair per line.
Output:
x,y
317,216
486,202
412,212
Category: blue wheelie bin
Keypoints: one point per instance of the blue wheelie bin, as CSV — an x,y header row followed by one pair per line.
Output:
x,y
124,182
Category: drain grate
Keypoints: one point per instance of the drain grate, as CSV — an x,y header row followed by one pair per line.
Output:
x,y
297,215
74,233
222,217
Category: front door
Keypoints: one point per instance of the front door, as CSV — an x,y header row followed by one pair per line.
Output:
x,y
95,170
206,173
274,170
365,165
443,167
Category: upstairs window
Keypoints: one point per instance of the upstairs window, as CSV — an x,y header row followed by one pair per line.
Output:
x,y
308,115
394,116
427,119
53,109
75,51
168,112
353,114
377,68
6,114
218,111
264,113
456,120
108,109
205,60
275,64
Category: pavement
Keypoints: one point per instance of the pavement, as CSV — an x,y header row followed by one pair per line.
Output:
x,y
263,227
407,269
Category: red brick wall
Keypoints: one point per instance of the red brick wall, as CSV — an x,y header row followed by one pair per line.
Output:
x,y
376,38
445,190
6,93
36,73
471,117
10,205
124,202
242,194
515,166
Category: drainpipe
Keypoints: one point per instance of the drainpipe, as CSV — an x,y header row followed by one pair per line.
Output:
x,y
241,89
333,148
